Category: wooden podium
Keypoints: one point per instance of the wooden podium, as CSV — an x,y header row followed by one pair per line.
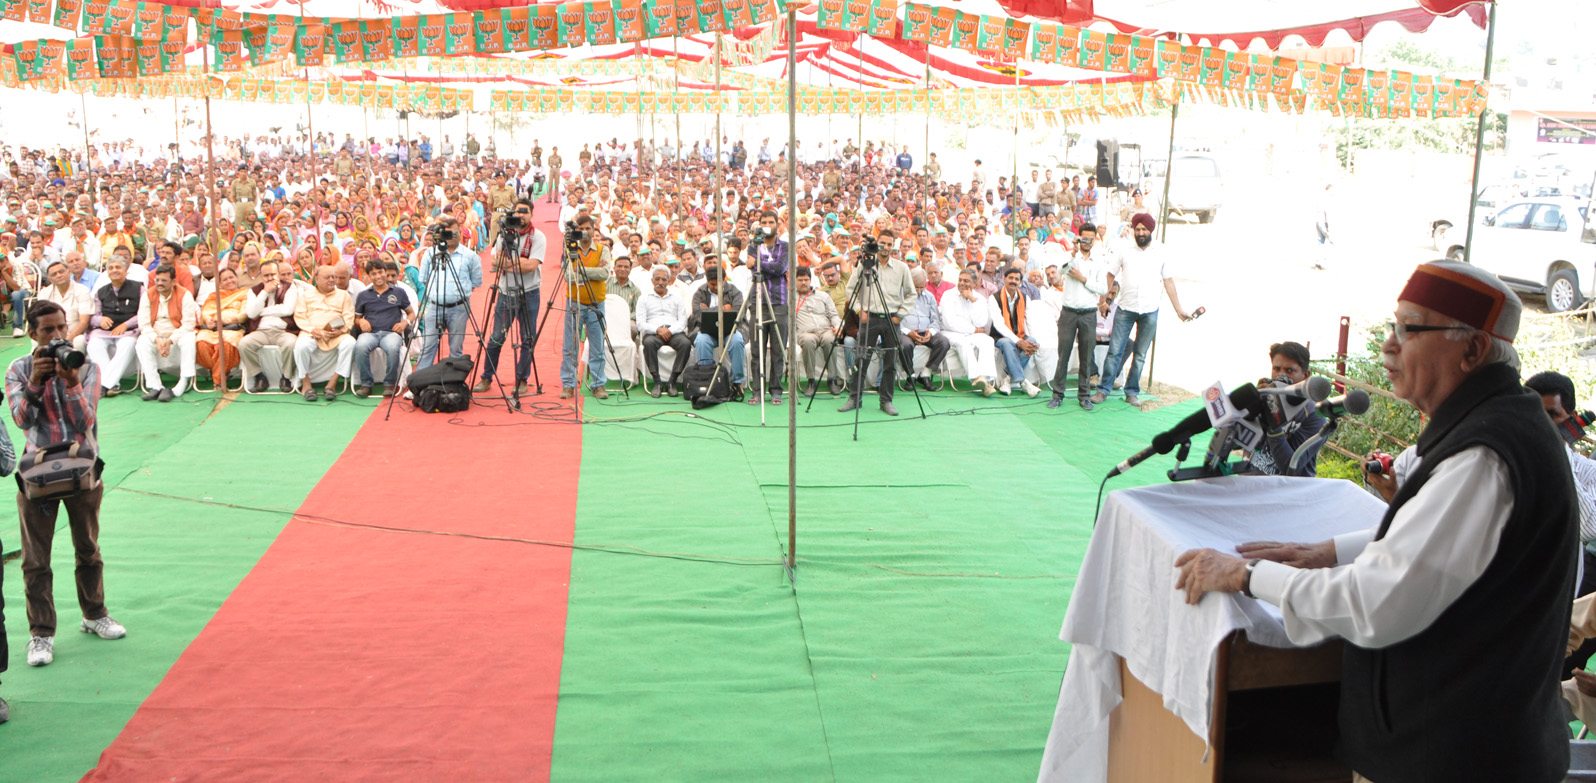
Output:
x,y
1274,720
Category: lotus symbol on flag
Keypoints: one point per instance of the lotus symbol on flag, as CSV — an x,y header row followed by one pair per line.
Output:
x,y
1190,59
859,10
174,18
282,38
81,56
917,14
1214,63
97,9
121,14
573,19
831,6
627,15
1377,81
516,25
662,11
229,47
149,15
348,37
488,26
311,42
967,26
405,33
1117,50
27,55
1421,89
1399,87
1045,37
542,23
460,30
1168,58
1142,51
1094,45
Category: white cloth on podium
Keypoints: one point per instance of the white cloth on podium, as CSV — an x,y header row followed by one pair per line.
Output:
x,y
1125,604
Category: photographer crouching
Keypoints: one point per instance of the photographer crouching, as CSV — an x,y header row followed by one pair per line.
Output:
x,y
53,394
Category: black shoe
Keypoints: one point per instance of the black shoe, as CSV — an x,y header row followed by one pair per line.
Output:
x,y
1055,401
835,386
849,405
151,395
654,390
257,386
112,392
285,386
675,390
886,407
925,383
166,395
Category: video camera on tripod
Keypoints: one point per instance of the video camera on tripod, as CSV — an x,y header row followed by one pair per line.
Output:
x,y
442,234
869,254
575,235
513,221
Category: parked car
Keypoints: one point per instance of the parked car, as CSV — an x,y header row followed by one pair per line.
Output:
x,y
1447,234
1541,246
1195,187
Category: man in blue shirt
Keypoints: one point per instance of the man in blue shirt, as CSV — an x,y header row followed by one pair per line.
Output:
x,y
383,313
449,279
905,161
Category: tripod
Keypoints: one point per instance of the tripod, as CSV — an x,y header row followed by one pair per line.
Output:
x,y
763,355
570,254
867,270
506,260
438,270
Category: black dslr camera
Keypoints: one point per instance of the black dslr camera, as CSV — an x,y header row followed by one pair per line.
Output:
x,y
869,253
443,235
64,354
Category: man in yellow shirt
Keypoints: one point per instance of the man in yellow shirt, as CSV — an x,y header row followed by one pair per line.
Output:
x,y
325,315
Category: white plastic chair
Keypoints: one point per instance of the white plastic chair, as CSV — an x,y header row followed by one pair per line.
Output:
x,y
618,327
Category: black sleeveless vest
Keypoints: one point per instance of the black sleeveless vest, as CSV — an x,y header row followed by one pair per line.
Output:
x,y
1474,697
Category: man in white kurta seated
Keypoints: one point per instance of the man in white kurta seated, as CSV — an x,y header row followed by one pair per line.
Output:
x,y
324,314
167,316
72,296
966,320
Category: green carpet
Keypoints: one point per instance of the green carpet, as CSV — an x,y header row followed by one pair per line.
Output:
x,y
169,563
936,559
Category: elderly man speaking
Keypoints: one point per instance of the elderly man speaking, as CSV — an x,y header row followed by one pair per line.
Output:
x,y
1455,607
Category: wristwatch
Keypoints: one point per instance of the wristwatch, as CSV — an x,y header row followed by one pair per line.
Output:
x,y
1246,582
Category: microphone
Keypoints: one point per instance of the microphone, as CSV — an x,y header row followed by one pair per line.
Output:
x,y
1353,403
1316,388
1244,398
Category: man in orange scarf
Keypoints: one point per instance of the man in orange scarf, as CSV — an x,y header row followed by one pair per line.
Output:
x,y
167,316
1008,321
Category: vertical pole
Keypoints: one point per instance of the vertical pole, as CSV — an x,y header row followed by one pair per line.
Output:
x,y
792,285
88,149
676,67
1014,178
1479,133
1169,161
310,134
720,182
177,131
210,160
860,141
926,151
637,55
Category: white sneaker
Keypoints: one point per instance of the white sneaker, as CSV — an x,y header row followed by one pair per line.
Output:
x,y
1005,387
41,650
1031,389
105,628
17,332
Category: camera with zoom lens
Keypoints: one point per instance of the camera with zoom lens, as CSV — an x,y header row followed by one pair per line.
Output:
x,y
869,253
442,235
575,235
64,354
512,221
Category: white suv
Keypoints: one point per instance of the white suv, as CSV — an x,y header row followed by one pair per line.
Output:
x,y
1542,246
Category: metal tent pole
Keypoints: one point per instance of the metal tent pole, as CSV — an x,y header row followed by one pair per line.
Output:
x,y
792,285
1479,133
210,159
310,135
1169,160
88,149
676,109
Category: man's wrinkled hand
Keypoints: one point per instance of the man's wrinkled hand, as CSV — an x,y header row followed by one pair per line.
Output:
x,y
1320,555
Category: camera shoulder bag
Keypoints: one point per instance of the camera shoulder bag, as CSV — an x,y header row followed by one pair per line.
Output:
x,y
56,471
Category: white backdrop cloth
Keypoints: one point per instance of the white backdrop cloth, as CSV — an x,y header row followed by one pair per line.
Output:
x,y
1125,604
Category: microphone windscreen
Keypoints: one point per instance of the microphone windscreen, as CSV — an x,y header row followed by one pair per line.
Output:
x,y
1320,388
1357,402
1247,398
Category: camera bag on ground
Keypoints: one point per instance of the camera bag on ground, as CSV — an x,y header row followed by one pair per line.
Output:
x,y
704,387
442,387
56,471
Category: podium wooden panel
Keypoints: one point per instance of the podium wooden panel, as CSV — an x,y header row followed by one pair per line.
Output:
x,y
1276,706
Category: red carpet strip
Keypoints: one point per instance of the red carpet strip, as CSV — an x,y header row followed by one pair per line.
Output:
x,y
357,654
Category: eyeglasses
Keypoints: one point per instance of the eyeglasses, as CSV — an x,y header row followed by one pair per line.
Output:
x,y
1402,331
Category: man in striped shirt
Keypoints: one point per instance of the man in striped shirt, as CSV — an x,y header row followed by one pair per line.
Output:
x,y
54,404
